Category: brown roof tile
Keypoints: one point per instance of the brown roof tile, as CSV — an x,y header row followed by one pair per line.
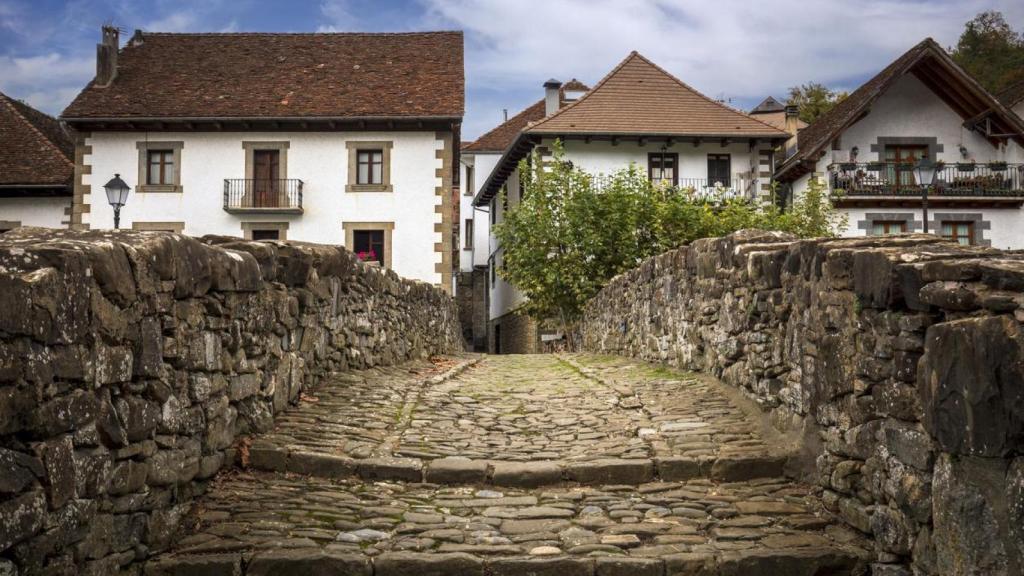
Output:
x,y
34,148
826,128
638,97
250,75
502,136
505,133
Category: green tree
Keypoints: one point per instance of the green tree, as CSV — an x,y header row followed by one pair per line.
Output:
x,y
991,51
814,99
572,232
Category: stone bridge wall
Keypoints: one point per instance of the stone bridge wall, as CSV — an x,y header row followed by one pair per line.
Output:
x,y
130,362
902,360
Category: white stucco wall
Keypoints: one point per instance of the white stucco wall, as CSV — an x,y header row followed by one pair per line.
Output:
x,y
601,157
910,109
482,165
319,159
45,212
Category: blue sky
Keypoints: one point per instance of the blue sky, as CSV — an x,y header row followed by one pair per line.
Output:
x,y
741,51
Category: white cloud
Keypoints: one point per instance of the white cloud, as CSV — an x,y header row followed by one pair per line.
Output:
x,y
739,50
48,81
339,16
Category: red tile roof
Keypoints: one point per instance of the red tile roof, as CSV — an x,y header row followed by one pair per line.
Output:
x,y
35,150
502,136
250,75
640,98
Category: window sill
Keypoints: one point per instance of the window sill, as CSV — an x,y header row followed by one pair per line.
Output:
x,y
159,188
369,188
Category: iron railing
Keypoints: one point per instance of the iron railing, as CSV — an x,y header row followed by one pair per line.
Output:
x,y
244,194
701,189
996,179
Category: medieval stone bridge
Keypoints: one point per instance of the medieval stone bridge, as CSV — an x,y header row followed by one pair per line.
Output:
x,y
747,405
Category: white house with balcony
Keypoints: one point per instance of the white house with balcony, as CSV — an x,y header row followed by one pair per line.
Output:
x,y
922,107
640,115
333,138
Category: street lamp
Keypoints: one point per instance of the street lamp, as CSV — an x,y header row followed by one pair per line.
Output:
x,y
117,195
924,174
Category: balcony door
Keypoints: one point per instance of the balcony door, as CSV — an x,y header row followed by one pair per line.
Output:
x,y
900,160
266,175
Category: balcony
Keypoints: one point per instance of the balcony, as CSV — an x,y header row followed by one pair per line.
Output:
x,y
251,196
704,190
890,182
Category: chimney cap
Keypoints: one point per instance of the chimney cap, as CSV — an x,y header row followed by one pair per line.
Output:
x,y
792,110
552,83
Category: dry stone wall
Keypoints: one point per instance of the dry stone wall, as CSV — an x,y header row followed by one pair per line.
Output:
x,y
902,360
130,362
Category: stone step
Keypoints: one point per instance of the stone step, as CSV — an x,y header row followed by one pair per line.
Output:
x,y
269,457
267,523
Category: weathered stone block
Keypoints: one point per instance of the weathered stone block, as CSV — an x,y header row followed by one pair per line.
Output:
x,y
437,564
197,565
969,382
455,471
59,457
21,517
310,563
18,471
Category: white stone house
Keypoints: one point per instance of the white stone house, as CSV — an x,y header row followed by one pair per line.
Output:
x,y
922,106
332,138
640,115
36,168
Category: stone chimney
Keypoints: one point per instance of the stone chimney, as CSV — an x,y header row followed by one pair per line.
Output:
x,y
551,96
106,56
792,119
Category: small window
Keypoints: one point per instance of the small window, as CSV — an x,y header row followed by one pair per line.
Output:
x,y
470,181
468,241
494,272
888,227
719,170
269,234
369,167
160,167
494,211
369,245
662,168
960,232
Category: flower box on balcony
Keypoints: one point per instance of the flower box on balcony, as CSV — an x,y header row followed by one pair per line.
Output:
x,y
875,166
965,166
997,166
847,166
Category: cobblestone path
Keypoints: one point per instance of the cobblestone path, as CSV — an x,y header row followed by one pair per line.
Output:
x,y
514,465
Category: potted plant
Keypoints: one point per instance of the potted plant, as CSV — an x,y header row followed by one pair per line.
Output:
x,y
998,166
965,166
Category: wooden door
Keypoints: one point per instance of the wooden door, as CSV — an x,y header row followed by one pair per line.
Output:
x,y
265,173
901,160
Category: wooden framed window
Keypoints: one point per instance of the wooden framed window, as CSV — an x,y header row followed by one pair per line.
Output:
x,y
470,182
266,234
720,170
369,245
494,271
663,168
960,232
468,241
888,227
161,167
369,166
265,230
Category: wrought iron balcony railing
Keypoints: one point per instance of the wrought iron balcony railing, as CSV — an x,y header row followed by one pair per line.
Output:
x,y
995,180
258,195
702,189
